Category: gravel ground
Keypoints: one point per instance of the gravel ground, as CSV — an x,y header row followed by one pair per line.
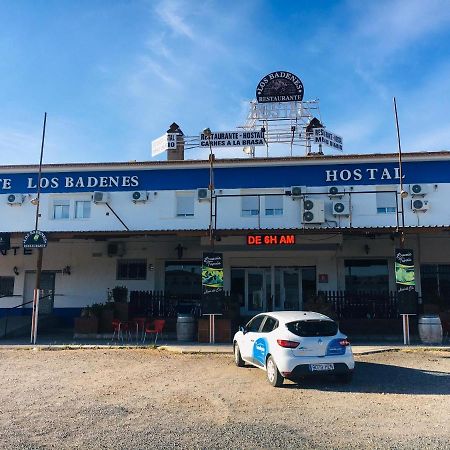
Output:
x,y
135,399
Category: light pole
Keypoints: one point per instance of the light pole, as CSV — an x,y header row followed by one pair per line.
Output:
x,y
403,193
207,132
35,309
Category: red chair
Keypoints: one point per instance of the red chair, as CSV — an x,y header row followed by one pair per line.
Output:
x,y
119,328
158,326
139,325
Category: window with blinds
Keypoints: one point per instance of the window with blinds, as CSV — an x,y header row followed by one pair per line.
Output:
x,y
386,202
273,205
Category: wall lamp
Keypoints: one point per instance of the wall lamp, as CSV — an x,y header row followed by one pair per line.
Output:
x,y
16,270
67,270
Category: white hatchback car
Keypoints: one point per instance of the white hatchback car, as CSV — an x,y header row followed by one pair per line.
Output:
x,y
292,344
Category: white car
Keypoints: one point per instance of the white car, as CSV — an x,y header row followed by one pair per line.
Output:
x,y
292,344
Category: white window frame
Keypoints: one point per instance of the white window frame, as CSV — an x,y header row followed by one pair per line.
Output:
x,y
247,209
185,212
386,204
60,202
76,209
271,200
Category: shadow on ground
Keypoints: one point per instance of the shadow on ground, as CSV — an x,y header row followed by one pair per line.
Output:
x,y
384,378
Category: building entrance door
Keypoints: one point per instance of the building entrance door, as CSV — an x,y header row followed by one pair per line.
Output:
x,y
48,288
256,290
288,289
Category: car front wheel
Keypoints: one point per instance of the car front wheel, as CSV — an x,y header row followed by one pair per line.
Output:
x,y
237,356
273,374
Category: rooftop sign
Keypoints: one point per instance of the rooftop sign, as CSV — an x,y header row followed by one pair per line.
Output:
x,y
279,87
232,138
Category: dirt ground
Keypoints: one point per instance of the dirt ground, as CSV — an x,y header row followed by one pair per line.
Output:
x,y
135,399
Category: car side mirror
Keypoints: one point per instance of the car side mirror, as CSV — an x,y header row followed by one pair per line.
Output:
x,y
243,329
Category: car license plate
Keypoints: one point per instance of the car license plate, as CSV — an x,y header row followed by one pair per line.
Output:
x,y
321,367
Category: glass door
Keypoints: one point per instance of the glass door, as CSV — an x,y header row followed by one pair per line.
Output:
x,y
288,286
256,290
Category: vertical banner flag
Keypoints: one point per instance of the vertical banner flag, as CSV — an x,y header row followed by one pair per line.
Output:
x,y
404,270
212,273
405,280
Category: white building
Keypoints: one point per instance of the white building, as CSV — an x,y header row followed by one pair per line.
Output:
x,y
145,226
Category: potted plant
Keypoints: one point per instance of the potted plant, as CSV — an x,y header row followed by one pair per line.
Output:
x,y
87,323
120,297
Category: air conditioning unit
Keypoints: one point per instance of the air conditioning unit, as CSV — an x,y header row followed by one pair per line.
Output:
x,y
336,192
297,191
341,208
313,211
139,196
15,199
100,197
203,194
418,190
418,204
116,249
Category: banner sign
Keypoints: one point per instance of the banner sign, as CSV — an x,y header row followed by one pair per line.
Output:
x,y
212,273
322,136
35,239
404,270
5,241
279,87
251,175
237,138
166,142
270,239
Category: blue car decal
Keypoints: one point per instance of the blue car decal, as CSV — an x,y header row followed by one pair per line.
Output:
x,y
335,348
260,350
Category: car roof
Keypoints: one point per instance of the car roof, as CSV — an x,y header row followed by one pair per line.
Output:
x,y
292,316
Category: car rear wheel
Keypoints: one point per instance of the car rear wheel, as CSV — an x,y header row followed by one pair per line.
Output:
x,y
237,356
273,374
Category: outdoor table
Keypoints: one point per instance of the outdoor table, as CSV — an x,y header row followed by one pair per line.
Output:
x,y
212,331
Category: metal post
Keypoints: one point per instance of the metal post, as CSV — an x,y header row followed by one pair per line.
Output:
x,y
207,133
35,308
402,231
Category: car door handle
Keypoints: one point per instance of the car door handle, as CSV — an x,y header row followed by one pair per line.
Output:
x,y
252,340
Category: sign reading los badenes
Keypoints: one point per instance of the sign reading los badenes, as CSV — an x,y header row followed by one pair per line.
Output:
x,y
279,87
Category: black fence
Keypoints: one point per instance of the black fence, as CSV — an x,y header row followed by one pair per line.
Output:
x,y
161,304
363,305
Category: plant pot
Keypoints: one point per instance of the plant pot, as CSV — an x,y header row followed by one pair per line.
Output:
x,y
86,325
121,311
105,323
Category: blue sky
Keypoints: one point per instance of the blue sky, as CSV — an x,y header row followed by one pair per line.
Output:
x,y
113,75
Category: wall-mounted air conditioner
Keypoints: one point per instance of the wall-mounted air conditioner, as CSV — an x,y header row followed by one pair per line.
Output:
x,y
297,192
15,199
418,190
203,194
100,197
418,204
336,192
139,196
313,211
341,208
116,249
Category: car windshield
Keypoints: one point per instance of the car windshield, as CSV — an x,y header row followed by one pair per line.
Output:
x,y
310,328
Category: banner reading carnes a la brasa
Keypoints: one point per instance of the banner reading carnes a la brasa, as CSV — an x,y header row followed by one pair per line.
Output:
x,y
259,175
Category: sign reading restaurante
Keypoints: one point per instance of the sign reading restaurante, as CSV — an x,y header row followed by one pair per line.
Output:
x,y
279,87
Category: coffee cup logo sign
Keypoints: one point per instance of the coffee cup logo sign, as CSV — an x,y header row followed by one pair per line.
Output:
x,y
35,239
279,87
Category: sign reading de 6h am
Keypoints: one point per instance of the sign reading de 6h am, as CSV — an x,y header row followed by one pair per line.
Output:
x,y
270,239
